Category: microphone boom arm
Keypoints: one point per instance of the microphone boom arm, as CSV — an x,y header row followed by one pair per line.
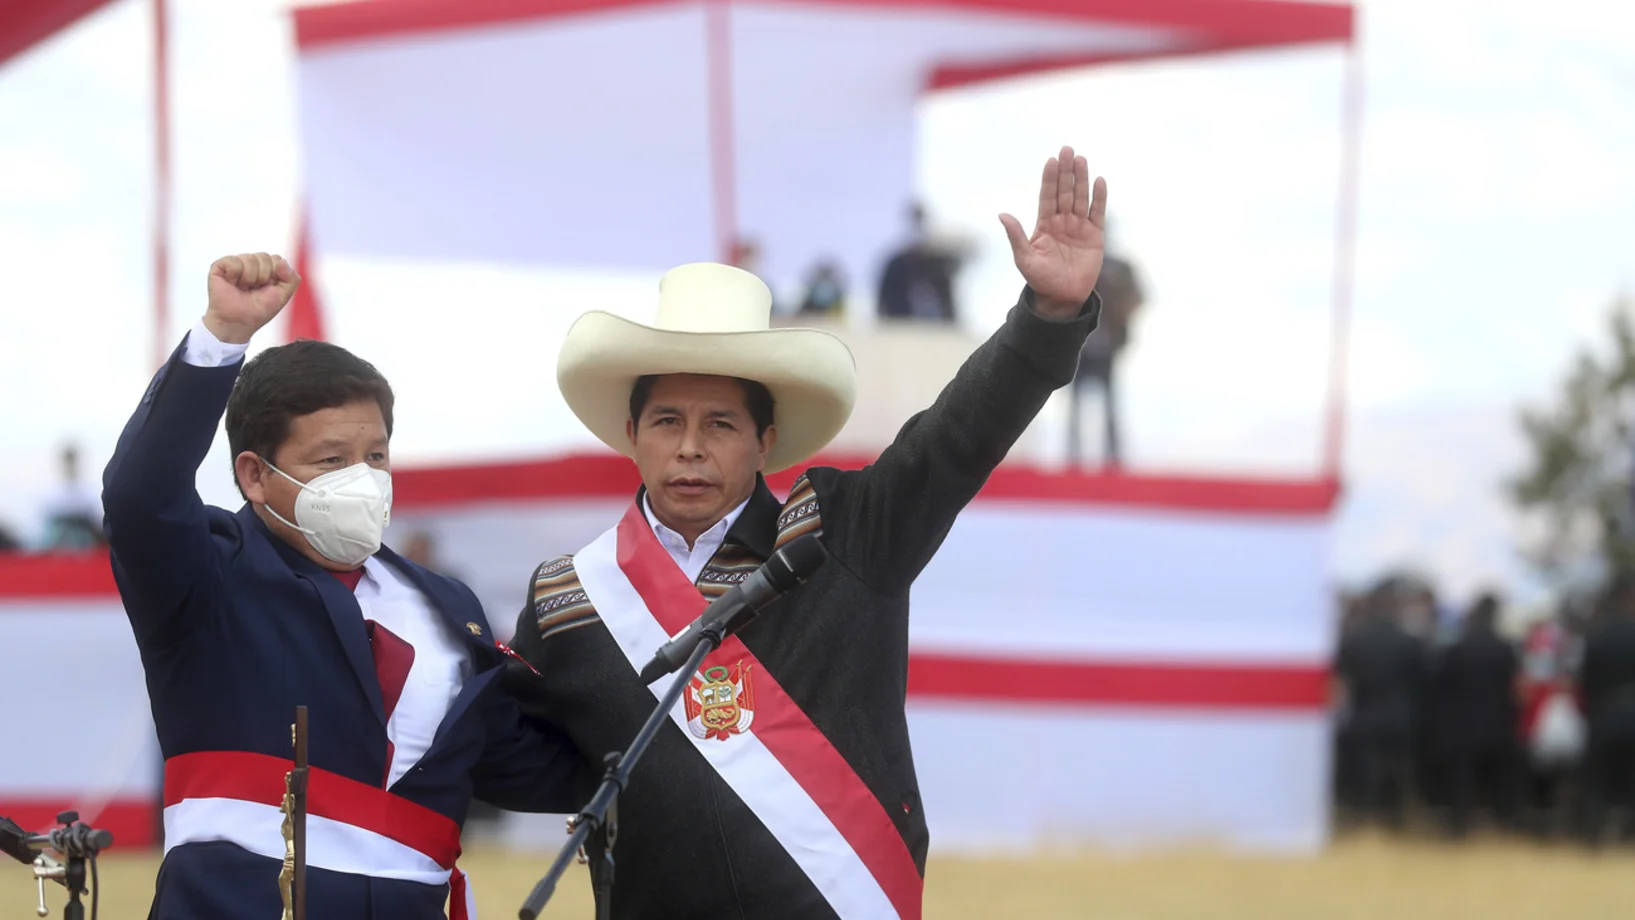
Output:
x,y
601,815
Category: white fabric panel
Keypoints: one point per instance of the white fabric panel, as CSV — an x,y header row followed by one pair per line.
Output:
x,y
1013,578
1011,778
1117,583
824,115
578,140
84,725
583,140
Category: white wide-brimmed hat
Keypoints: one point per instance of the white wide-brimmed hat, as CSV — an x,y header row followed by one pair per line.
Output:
x,y
712,319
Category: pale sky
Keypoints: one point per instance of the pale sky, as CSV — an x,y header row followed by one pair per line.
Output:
x,y
1495,230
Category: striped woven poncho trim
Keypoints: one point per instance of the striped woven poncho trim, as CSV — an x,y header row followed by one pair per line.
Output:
x,y
560,603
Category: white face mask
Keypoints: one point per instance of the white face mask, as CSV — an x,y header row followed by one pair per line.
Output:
x,y
343,513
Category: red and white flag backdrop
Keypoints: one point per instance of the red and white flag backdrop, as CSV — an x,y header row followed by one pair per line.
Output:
x,y
1093,659
1130,659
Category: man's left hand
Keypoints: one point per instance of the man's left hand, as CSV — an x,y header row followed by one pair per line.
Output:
x,y
1062,259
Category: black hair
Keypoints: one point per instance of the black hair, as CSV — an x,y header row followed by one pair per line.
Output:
x,y
757,398
1484,614
284,383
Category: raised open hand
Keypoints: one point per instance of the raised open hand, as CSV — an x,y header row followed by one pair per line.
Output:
x,y
1062,259
246,292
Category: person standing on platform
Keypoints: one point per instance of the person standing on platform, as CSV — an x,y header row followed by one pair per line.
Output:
x,y
786,787
1121,296
241,617
918,280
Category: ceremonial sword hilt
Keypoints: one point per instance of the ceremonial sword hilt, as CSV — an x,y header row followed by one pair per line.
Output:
x,y
292,876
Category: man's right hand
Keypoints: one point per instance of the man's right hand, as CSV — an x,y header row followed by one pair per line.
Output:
x,y
246,292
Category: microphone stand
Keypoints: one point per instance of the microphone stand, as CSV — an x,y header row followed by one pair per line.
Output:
x,y
601,815
80,843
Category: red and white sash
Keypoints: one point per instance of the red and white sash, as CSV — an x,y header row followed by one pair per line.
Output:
x,y
234,796
753,735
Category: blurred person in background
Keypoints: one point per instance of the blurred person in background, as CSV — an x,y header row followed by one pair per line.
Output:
x,y
1348,609
8,540
1551,722
825,292
1607,681
790,790
1473,715
421,549
73,513
293,600
746,254
1121,296
1382,669
918,280
1420,612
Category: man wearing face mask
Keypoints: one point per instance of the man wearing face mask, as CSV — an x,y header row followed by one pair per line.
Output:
x,y
242,617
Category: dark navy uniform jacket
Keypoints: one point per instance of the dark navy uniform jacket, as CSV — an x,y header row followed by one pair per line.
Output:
x,y
235,629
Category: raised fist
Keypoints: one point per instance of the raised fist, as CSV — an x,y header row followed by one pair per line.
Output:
x,y
246,292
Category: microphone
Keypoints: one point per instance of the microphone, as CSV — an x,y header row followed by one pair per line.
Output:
x,y
73,839
788,568
80,839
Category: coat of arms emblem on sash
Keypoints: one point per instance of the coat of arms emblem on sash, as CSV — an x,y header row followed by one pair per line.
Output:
x,y
720,702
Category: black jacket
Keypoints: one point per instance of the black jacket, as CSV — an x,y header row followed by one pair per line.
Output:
x,y
1385,670
1608,678
1474,694
687,845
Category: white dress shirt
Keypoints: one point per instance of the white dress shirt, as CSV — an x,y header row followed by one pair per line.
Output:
x,y
440,667
203,349
692,559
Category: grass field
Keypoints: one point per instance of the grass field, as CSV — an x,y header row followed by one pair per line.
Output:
x,y
1361,877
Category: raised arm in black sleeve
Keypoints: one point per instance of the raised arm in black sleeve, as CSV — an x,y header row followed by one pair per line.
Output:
x,y
886,521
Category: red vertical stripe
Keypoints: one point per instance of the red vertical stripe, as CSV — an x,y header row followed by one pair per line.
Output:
x,y
161,182
1345,257
780,725
723,162
306,313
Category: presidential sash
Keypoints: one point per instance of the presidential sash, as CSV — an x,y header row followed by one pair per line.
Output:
x,y
752,734
353,827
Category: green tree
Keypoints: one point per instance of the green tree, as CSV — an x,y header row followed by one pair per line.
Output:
x,y
1578,489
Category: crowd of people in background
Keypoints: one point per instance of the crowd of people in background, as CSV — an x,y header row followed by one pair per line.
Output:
x,y
1451,722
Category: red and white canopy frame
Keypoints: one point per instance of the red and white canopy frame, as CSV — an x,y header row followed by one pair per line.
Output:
x,y
790,122
949,43
1154,616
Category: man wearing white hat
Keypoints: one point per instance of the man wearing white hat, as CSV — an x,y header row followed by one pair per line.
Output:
x,y
787,787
